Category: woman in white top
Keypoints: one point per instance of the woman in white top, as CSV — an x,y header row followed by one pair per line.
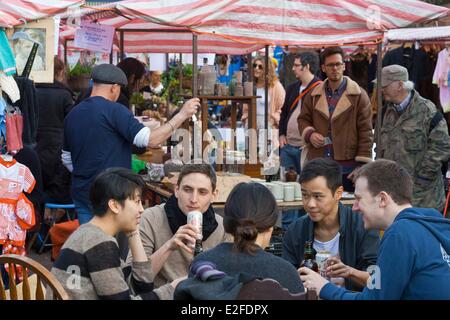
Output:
x,y
276,94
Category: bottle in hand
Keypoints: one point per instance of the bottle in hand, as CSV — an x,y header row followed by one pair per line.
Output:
x,y
309,260
198,247
195,218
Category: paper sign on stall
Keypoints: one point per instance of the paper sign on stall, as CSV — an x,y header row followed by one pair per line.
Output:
x,y
157,62
94,37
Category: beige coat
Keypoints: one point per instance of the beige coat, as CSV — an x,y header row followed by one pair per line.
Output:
x,y
155,231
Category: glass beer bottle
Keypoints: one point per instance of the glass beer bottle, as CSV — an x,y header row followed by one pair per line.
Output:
x,y
198,247
309,260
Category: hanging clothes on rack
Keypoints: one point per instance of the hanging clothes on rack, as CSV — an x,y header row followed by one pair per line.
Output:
x,y
30,111
7,60
359,67
16,211
3,107
441,78
10,87
415,60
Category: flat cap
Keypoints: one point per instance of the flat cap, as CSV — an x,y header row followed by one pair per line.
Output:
x,y
393,73
109,74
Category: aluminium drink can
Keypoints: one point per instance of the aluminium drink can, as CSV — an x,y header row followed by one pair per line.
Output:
x,y
322,262
195,218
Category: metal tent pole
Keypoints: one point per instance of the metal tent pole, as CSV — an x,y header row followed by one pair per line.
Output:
x,y
378,93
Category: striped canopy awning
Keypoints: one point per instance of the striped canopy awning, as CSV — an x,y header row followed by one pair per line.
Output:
x,y
142,36
285,22
15,12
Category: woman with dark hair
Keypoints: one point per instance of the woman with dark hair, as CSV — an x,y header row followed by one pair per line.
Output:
x,y
135,71
250,214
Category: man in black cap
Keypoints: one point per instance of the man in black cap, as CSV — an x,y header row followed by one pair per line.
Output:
x,y
99,134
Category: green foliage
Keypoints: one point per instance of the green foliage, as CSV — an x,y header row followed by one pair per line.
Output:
x,y
79,70
137,99
171,81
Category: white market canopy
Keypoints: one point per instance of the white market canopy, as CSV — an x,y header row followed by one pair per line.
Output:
x,y
419,34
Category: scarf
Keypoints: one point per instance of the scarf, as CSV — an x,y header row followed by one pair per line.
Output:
x,y
177,218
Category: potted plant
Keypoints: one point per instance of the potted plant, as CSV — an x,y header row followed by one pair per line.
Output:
x,y
79,76
187,77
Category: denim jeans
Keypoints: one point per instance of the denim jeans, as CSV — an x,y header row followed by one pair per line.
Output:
x,y
84,214
290,157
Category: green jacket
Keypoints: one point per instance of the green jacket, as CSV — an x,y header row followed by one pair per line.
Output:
x,y
407,139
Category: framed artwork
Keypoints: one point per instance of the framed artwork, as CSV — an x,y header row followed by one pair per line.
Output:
x,y
41,32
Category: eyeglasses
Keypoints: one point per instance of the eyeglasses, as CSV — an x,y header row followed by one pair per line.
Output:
x,y
257,65
332,65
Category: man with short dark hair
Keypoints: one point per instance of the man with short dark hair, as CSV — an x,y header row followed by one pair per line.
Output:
x,y
331,226
414,134
99,133
168,239
414,255
336,118
305,67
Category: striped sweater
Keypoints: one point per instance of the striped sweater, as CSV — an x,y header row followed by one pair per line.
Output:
x,y
89,268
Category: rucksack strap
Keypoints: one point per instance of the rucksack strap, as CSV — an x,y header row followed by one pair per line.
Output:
x,y
438,116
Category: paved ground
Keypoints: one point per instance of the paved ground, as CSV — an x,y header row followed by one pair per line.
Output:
x,y
43,258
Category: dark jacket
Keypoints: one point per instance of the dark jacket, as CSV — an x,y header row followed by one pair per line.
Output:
x,y
416,61
292,93
357,247
29,108
55,101
226,288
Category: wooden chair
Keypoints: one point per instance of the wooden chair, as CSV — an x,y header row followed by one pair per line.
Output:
x,y
269,289
43,277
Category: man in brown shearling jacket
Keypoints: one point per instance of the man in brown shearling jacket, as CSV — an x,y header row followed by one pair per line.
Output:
x,y
336,118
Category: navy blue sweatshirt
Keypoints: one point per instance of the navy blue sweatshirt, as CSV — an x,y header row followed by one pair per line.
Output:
x,y
413,260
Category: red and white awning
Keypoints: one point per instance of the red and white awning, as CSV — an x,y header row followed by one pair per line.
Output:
x,y
13,11
281,22
157,38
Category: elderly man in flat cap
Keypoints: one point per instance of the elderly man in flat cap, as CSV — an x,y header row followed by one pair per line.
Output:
x,y
99,134
414,134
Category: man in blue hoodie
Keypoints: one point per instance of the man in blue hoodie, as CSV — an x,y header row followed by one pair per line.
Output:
x,y
413,259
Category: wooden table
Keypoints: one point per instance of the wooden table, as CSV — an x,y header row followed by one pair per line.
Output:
x,y
157,193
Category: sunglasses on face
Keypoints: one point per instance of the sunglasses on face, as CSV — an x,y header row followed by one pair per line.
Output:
x,y
257,65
